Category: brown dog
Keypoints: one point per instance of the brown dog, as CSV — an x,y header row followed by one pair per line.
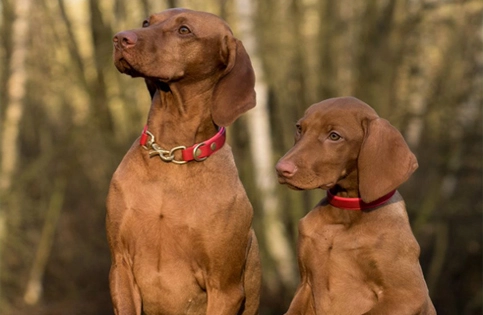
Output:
x,y
178,218
357,254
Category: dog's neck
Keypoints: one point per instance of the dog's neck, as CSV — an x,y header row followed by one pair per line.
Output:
x,y
181,115
356,203
348,185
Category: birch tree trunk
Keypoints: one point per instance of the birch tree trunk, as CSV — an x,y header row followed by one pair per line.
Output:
x,y
278,245
16,86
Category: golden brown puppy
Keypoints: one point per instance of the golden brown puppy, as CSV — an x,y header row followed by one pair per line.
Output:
x,y
357,254
178,218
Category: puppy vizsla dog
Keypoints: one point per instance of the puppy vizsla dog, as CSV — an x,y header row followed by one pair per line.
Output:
x,y
357,254
178,217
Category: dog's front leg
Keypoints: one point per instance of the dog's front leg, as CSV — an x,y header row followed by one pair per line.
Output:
x,y
226,301
125,295
224,278
303,302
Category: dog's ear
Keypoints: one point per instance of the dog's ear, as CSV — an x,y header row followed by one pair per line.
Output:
x,y
385,160
234,94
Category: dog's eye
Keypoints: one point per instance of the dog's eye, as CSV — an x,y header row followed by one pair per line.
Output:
x,y
183,30
145,23
334,136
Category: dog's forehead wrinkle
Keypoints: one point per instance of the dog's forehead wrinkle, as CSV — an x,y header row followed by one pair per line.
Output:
x,y
336,115
198,18
326,118
165,15
180,19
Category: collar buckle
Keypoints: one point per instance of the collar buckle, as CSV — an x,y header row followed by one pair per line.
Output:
x,y
166,155
198,152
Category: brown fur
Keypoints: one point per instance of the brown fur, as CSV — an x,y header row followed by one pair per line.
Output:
x,y
180,235
354,262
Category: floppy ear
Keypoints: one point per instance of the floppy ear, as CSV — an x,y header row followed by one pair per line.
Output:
x,y
234,94
385,161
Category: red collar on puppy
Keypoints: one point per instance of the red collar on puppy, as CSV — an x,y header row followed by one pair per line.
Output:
x,y
197,152
356,203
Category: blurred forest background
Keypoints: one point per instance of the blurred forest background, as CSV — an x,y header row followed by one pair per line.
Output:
x,y
67,118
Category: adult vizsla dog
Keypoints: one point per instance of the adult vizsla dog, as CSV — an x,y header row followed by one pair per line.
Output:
x,y
178,217
357,254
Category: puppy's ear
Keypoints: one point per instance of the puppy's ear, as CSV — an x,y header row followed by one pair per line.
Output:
x,y
385,161
234,94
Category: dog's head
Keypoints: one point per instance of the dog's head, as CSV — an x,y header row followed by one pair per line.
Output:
x,y
342,141
180,46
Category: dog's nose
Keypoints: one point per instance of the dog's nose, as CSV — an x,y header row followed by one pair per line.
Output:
x,y
285,169
125,39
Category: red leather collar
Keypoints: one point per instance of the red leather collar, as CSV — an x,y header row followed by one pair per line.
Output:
x,y
197,152
356,203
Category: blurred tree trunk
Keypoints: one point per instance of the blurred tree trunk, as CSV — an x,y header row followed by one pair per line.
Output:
x,y
328,35
34,286
172,3
16,86
73,47
275,235
95,87
379,53
6,19
100,31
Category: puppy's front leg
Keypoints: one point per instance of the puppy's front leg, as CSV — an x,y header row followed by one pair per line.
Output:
x,y
125,295
303,302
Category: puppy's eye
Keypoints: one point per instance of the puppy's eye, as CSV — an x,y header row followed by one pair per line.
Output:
x,y
334,136
183,30
145,23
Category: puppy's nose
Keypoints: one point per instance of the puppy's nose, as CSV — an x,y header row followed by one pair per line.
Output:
x,y
285,169
125,39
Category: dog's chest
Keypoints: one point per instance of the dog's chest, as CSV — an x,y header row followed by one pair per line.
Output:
x,y
169,226
342,264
